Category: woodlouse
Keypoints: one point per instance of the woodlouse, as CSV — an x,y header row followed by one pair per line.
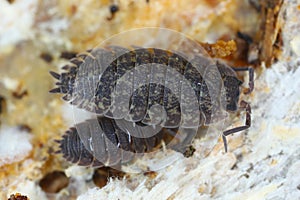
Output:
x,y
115,144
124,114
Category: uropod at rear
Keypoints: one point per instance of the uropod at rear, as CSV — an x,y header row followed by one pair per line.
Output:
x,y
143,87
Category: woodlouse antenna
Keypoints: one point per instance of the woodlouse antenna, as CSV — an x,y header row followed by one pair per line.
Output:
x,y
245,37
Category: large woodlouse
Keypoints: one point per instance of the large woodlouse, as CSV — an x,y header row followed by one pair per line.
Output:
x,y
128,114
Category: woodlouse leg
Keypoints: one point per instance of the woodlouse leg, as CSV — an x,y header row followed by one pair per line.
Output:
x,y
245,37
251,77
246,106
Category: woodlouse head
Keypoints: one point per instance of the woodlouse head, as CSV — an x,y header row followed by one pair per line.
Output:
x,y
231,85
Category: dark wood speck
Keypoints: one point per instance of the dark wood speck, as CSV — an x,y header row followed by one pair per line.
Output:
x,y
67,55
46,57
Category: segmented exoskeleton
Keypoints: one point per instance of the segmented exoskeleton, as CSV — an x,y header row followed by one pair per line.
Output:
x,y
147,87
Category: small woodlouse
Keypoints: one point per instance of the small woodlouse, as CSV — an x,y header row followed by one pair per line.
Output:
x,y
110,143
136,92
